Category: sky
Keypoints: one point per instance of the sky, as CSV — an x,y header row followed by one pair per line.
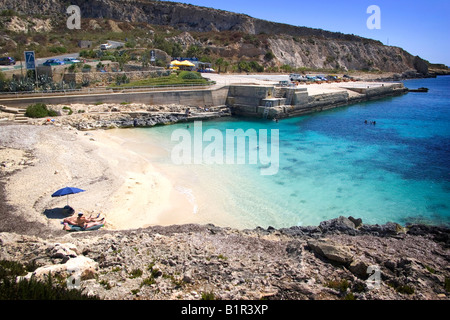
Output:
x,y
420,27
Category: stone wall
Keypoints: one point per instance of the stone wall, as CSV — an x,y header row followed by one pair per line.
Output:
x,y
185,97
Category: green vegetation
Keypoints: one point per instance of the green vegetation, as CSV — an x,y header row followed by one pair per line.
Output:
x,y
136,273
269,56
171,48
29,82
405,289
32,289
341,285
183,78
58,50
252,66
400,288
350,296
105,284
70,111
430,269
154,273
208,296
39,110
188,75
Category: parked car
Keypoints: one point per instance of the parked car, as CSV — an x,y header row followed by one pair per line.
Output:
x,y
105,46
7,61
332,77
53,62
71,60
296,77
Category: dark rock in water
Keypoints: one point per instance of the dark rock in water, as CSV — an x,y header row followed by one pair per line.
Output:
x,y
438,234
357,222
310,231
388,229
419,90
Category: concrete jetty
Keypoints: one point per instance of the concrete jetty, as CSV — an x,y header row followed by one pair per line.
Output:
x,y
291,101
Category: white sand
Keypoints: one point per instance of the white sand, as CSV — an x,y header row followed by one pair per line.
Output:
x,y
121,185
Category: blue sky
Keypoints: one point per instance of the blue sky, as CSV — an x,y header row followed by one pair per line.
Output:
x,y
420,27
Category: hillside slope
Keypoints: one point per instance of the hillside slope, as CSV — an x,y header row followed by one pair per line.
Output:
x,y
298,47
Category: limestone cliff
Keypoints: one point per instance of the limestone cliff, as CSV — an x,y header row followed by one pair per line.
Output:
x,y
290,45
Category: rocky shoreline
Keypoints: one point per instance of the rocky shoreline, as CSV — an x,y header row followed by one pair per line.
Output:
x,y
111,116
337,260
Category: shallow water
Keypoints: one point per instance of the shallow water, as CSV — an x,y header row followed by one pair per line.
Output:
x,y
330,164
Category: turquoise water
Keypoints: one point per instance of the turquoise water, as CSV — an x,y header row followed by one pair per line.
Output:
x,y
331,164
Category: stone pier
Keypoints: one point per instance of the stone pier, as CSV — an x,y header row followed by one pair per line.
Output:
x,y
283,102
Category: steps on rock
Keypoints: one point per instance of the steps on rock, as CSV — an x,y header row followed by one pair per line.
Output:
x,y
21,119
19,113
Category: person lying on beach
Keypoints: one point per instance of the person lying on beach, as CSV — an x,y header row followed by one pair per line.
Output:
x,y
87,226
82,222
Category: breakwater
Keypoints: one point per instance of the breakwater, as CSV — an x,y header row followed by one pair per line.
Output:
x,y
284,102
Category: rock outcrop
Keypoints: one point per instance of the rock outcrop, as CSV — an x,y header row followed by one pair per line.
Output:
x,y
335,260
111,116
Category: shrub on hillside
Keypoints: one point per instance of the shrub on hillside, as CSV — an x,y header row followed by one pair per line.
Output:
x,y
52,288
39,110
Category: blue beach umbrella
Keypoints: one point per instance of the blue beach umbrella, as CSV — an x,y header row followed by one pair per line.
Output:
x,y
66,192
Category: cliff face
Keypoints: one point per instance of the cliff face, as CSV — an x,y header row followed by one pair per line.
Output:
x,y
182,16
291,45
350,55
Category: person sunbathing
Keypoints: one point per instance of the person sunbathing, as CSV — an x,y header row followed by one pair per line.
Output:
x,y
84,222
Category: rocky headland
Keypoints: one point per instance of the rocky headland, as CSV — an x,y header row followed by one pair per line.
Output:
x,y
336,260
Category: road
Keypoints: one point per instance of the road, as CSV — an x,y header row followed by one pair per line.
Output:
x,y
40,61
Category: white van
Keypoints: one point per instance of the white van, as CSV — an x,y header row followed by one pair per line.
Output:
x,y
105,46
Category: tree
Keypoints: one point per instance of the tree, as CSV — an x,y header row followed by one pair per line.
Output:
x,y
194,51
122,59
177,50
269,56
219,63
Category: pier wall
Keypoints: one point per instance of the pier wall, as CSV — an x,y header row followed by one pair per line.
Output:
x,y
298,101
197,97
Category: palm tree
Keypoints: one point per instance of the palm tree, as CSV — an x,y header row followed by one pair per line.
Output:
x,y
219,63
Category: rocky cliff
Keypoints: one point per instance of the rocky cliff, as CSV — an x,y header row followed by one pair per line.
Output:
x,y
182,16
336,260
290,45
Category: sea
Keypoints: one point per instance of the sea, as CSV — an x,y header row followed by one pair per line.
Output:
x,y
330,164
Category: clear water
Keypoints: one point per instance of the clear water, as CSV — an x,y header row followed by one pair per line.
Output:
x,y
331,164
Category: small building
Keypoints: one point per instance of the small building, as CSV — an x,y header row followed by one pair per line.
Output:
x,y
85,44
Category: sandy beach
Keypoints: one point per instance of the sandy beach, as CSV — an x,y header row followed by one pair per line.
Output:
x,y
121,185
